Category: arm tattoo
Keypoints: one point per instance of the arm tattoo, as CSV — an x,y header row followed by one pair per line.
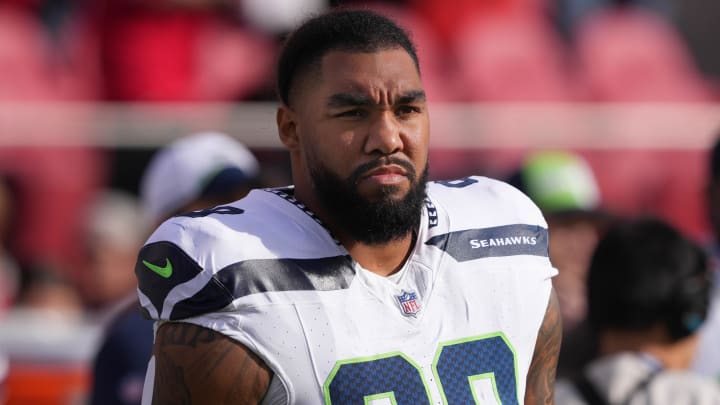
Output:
x,y
186,334
195,365
541,376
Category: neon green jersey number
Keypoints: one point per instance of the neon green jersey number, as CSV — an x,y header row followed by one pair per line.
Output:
x,y
458,365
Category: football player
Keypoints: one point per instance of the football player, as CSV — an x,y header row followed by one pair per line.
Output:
x,y
361,283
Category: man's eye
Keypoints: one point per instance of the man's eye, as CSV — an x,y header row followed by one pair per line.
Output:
x,y
407,110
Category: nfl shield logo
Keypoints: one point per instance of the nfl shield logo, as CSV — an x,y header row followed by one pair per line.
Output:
x,y
408,303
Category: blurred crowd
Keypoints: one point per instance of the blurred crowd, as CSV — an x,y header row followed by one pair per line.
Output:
x,y
500,50
70,230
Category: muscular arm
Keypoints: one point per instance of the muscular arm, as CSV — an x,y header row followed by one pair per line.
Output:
x,y
541,376
195,365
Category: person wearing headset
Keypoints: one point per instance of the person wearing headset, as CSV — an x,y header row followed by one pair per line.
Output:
x,y
648,293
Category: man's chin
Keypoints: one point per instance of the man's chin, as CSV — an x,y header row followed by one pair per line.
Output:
x,y
383,193
389,197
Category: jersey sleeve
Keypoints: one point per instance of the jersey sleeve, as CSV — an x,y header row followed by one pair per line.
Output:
x,y
525,213
175,278
526,210
490,219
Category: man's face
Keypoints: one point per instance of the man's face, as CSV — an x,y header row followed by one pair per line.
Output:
x,y
362,128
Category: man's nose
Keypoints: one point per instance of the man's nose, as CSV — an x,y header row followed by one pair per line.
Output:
x,y
384,135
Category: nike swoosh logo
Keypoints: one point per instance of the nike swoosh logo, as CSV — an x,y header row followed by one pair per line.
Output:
x,y
165,271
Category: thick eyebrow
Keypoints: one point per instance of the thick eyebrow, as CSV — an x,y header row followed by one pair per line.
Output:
x,y
349,100
358,99
414,96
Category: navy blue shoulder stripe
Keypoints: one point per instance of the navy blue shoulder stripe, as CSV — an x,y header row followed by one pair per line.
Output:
x,y
267,275
506,240
160,267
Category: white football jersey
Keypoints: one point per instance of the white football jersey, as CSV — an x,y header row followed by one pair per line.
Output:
x,y
456,325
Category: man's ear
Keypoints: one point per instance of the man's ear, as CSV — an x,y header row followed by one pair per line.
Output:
x,y
287,126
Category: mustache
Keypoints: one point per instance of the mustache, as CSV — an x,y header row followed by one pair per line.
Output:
x,y
366,167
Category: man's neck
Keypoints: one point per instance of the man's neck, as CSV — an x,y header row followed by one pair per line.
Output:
x,y
382,259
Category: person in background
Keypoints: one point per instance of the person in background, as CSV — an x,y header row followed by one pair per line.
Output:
x,y
563,185
707,358
49,292
648,291
195,172
112,232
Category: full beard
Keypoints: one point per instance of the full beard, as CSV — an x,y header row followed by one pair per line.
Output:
x,y
371,222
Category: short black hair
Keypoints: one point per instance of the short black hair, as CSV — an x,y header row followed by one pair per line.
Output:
x,y
339,29
645,273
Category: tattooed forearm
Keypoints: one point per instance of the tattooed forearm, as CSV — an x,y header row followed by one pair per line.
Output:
x,y
195,365
541,376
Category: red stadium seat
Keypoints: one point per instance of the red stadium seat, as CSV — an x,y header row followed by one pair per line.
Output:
x,y
32,68
633,55
666,183
25,70
448,18
222,55
513,58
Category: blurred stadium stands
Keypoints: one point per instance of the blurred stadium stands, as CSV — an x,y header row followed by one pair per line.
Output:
x,y
89,89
